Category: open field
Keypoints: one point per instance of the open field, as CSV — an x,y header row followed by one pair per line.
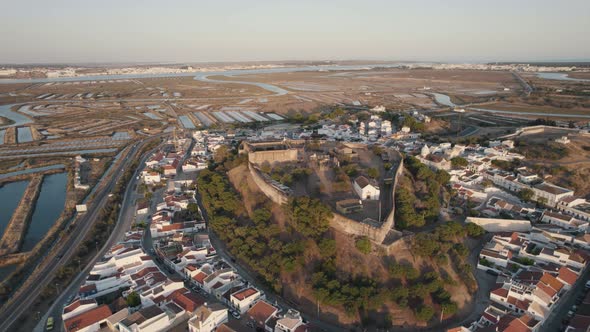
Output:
x,y
573,169
582,75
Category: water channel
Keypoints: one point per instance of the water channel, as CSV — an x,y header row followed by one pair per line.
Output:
x,y
50,205
10,195
19,119
560,77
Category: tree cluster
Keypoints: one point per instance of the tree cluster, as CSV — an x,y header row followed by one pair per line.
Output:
x,y
407,212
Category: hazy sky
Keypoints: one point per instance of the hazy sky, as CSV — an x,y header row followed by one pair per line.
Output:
x,y
225,30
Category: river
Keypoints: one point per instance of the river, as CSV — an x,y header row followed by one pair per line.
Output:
x,y
50,205
18,118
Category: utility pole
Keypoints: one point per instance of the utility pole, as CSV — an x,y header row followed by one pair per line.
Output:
x,y
318,303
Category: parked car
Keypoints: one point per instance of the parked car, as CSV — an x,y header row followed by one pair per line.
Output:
x,y
49,324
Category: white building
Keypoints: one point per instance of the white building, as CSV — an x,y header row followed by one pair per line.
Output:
x,y
244,299
365,188
207,318
150,177
290,322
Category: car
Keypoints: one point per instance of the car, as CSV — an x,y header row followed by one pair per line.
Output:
x,y
587,284
49,324
236,314
570,314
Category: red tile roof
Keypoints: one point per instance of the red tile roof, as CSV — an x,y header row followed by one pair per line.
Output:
x,y
246,293
189,301
567,275
199,277
502,292
87,288
87,318
552,282
261,312
74,305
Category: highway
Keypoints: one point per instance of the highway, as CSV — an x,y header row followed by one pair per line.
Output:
x,y
20,302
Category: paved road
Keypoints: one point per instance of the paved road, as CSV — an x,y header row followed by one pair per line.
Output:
x,y
559,312
66,249
123,224
485,282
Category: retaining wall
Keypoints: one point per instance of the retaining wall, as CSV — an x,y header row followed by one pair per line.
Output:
x,y
271,192
501,225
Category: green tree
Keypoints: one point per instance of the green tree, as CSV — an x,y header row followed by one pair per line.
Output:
x,y
221,154
327,247
424,313
425,245
133,299
373,173
526,194
458,162
261,216
474,230
363,245
542,201
310,216
193,208
449,308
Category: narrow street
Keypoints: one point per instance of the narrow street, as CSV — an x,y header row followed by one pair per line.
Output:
x,y
559,312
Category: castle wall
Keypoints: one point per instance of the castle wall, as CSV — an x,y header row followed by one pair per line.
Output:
x,y
271,192
338,222
376,234
273,156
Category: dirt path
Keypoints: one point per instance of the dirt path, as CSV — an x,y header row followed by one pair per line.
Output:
x,y
15,231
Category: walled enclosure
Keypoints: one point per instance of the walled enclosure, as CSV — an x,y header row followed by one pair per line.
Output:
x,y
338,222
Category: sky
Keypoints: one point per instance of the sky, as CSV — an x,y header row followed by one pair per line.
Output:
x,y
78,31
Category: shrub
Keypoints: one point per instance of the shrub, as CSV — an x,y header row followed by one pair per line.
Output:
x,y
424,313
363,245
